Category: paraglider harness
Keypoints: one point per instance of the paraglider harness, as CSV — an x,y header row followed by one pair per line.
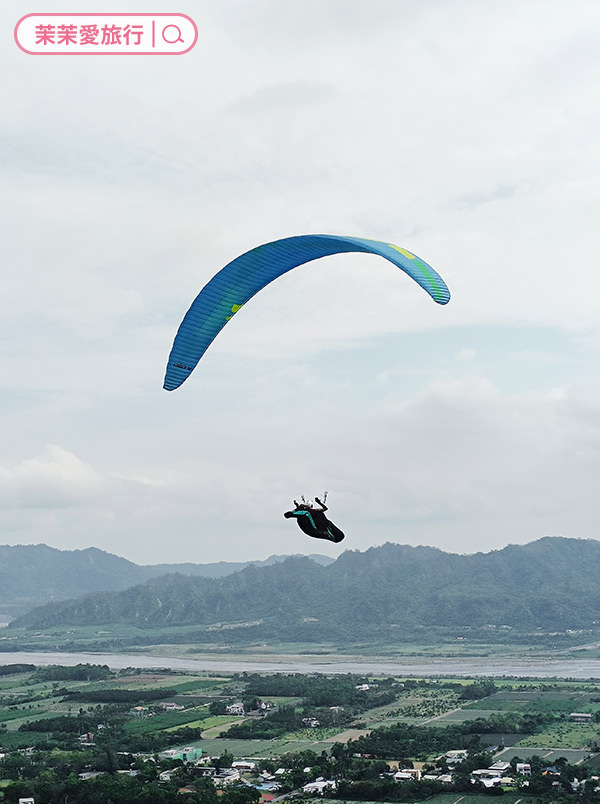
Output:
x,y
314,522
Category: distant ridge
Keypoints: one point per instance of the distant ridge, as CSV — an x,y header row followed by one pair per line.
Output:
x,y
219,569
547,584
31,575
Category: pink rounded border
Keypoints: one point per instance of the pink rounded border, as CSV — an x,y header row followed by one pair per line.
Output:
x,y
106,14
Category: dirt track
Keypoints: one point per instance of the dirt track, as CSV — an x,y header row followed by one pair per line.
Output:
x,y
349,734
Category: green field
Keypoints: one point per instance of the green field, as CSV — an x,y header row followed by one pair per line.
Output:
x,y
259,748
169,720
536,701
441,798
16,739
198,685
412,706
564,734
207,723
549,756
462,715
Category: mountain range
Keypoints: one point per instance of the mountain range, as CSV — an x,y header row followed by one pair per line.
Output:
x,y
31,575
383,593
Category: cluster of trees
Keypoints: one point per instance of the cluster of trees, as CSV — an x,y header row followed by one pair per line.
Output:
x,y
277,723
478,690
62,723
79,672
403,741
53,786
509,723
9,669
330,700
318,690
121,695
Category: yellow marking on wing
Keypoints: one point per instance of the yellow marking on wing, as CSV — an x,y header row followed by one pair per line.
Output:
x,y
234,309
402,251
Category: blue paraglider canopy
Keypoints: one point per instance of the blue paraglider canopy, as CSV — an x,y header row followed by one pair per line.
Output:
x,y
242,278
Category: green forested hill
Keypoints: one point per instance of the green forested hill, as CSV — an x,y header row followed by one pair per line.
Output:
x,y
550,584
31,575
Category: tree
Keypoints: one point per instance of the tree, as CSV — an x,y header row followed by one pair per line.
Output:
x,y
240,793
224,761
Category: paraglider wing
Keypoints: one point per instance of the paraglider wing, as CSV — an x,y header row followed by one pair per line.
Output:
x,y
242,278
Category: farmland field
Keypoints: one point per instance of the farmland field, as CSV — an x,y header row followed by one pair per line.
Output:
x,y
549,756
259,748
441,798
169,720
29,697
556,701
564,735
462,715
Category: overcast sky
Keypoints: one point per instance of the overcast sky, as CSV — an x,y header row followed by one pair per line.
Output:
x,y
465,131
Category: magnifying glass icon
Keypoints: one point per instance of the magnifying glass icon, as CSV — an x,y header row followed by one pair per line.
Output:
x,y
172,41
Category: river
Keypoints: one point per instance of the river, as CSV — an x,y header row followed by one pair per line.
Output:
x,y
493,667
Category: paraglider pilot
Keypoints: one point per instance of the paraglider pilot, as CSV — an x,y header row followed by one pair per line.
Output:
x,y
313,521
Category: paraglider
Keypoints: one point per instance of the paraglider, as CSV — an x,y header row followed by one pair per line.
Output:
x,y
229,289
313,521
242,278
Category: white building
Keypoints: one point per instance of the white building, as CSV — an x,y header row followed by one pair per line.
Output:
x,y
407,773
580,717
227,776
500,766
319,786
456,756
244,765
165,776
486,773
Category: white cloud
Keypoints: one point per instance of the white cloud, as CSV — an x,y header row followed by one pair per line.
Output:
x,y
466,355
465,132
55,479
